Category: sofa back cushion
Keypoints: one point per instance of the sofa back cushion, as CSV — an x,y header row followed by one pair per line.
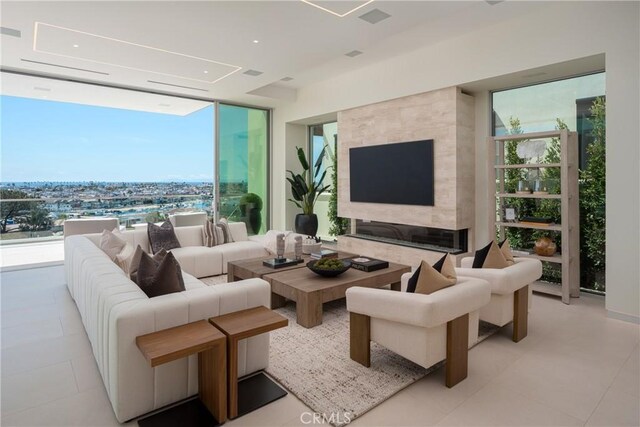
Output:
x,y
190,235
238,231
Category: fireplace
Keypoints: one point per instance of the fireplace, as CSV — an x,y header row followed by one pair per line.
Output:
x,y
428,238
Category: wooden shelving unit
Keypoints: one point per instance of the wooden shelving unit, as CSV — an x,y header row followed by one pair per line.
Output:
x,y
568,199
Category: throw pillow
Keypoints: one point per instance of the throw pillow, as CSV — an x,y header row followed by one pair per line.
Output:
x,y
111,244
135,261
505,248
209,234
162,237
430,280
444,266
161,278
490,257
224,225
124,258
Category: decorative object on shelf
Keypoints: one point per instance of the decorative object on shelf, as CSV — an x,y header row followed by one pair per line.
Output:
x,y
297,248
280,246
540,187
523,187
537,221
329,267
306,188
544,246
532,149
250,207
510,214
310,245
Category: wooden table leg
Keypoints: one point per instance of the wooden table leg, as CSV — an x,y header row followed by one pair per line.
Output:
x,y
230,273
360,338
457,350
520,313
395,286
277,301
309,309
232,377
212,380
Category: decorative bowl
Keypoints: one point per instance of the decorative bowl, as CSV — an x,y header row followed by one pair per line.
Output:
x,y
311,265
544,246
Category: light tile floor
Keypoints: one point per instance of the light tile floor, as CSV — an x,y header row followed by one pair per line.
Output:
x,y
576,367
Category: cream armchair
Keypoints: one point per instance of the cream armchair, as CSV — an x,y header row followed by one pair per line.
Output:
x,y
510,292
425,329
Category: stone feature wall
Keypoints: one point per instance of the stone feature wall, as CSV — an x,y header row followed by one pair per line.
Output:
x,y
447,117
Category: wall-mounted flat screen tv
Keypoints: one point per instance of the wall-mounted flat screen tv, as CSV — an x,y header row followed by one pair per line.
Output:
x,y
400,173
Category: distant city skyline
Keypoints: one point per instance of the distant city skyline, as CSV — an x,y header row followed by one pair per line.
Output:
x,y
50,141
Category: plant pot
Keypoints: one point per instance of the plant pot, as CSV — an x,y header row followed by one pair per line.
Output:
x,y
255,220
307,224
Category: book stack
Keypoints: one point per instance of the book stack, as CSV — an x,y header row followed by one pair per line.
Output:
x,y
324,253
368,264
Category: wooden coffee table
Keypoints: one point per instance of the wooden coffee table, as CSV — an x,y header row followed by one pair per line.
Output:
x,y
310,290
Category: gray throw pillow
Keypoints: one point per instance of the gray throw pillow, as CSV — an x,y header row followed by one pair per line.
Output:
x,y
162,237
159,278
224,225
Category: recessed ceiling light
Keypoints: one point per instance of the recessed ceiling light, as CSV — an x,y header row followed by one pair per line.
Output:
x,y
206,72
252,73
75,45
340,15
256,41
374,16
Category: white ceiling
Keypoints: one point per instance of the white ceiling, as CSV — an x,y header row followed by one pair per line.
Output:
x,y
168,46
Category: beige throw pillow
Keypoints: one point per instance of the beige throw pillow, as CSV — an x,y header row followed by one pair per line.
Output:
x,y
505,248
124,258
495,258
111,244
430,281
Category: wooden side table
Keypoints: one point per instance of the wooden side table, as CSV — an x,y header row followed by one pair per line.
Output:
x,y
238,326
181,341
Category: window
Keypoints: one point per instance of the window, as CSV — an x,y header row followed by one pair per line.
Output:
x,y
577,104
243,161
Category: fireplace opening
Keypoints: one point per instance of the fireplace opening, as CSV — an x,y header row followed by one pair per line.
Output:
x,y
429,238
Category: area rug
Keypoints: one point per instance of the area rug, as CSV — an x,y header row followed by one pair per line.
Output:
x,y
315,366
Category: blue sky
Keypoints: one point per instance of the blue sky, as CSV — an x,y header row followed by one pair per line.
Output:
x,y
54,141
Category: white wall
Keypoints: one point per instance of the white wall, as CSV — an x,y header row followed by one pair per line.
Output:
x,y
556,33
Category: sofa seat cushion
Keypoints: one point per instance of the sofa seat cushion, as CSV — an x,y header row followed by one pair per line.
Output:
x,y
239,251
199,261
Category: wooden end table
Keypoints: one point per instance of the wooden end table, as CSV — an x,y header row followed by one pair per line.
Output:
x,y
238,326
181,341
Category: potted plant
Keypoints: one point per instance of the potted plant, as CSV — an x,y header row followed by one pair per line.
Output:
x,y
250,207
306,188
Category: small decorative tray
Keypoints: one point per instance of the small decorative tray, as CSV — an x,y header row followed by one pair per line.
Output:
x,y
281,262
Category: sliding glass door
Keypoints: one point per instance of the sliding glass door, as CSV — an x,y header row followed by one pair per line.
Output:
x,y
242,175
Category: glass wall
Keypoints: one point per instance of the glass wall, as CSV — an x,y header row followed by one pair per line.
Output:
x,y
75,150
138,157
243,166
576,104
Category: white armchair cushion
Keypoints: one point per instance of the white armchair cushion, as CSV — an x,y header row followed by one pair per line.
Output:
x,y
504,280
438,308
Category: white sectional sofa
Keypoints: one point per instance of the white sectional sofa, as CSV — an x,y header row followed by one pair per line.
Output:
x,y
115,311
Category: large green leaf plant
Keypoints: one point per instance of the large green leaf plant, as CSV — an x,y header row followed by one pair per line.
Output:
x,y
307,186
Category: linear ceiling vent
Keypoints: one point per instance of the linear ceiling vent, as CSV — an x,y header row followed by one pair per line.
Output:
x,y
286,79
494,2
5,31
252,73
180,86
353,53
374,16
43,89
63,66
